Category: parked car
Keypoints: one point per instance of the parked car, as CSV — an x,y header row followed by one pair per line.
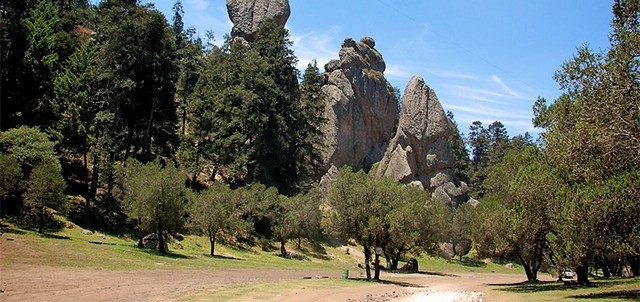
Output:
x,y
568,274
568,277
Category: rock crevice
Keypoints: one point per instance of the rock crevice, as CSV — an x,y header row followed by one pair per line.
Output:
x,y
420,153
361,107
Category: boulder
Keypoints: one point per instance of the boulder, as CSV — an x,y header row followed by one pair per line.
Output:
x,y
361,107
420,151
247,15
446,250
150,241
411,266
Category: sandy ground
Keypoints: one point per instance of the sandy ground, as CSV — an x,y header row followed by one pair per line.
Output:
x,y
23,282
28,283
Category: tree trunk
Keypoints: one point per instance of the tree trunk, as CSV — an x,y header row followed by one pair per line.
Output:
x,y
367,259
634,265
212,241
395,258
376,268
184,119
87,181
283,250
41,221
299,242
531,272
605,268
147,132
93,188
583,273
162,241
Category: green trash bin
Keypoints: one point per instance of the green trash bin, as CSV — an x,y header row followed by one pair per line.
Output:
x,y
345,274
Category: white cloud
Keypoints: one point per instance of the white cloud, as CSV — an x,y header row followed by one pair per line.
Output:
x,y
504,86
198,4
322,47
397,72
485,98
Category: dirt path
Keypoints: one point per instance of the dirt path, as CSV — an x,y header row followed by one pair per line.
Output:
x,y
29,283
463,287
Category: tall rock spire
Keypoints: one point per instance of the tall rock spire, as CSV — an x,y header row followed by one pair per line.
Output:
x,y
247,15
420,154
361,108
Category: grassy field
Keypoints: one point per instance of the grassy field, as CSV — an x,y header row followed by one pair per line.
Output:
x,y
73,247
262,291
617,290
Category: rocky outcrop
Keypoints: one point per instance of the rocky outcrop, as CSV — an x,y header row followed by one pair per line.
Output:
x,y
420,153
361,107
247,15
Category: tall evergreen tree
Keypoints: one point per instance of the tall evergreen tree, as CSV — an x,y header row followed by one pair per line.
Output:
x,y
460,154
309,140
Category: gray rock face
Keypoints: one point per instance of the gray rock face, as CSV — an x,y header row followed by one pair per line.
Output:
x,y
247,15
360,107
420,153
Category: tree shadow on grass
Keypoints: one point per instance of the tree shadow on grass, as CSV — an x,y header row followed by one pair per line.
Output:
x,y
168,254
315,250
528,287
54,236
545,286
628,295
223,257
469,262
9,230
440,274
389,282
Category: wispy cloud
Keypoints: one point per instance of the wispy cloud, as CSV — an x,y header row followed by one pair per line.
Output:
x,y
397,72
319,46
484,98
198,4
504,86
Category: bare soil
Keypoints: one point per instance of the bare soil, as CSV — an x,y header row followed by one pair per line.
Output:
x,y
42,283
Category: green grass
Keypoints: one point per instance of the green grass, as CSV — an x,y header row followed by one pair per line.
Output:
x,y
627,289
267,290
470,265
70,247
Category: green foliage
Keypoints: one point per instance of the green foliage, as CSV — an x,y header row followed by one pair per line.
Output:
x,y
310,140
296,217
137,73
592,136
460,231
10,174
155,198
75,106
462,164
383,214
216,212
247,119
516,220
29,147
45,190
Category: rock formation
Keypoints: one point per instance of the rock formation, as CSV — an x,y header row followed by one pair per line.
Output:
x,y
420,153
361,107
247,15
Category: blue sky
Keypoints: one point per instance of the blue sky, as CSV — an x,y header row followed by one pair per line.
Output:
x,y
487,60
